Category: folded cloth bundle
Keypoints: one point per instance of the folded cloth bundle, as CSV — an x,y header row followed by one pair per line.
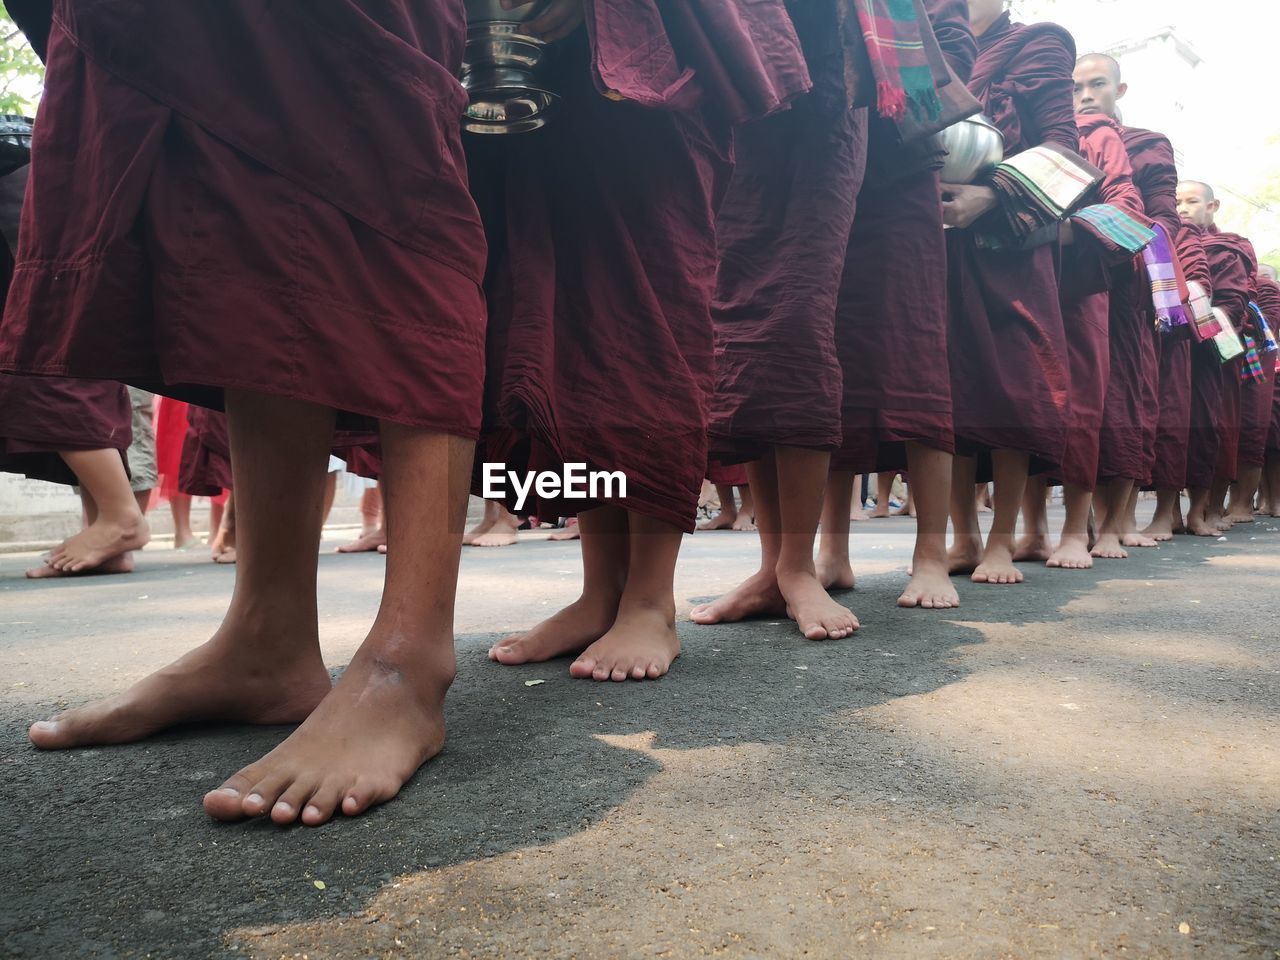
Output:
x,y
1268,338
1251,369
1226,339
1205,324
1169,291
1037,188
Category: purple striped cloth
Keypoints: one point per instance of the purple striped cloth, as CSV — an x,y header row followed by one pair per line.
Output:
x,y
1162,273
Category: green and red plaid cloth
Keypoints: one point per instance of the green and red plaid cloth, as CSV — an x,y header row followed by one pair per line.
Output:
x,y
899,62
1251,369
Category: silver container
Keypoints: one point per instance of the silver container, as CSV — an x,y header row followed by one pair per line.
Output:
x,y
973,147
501,70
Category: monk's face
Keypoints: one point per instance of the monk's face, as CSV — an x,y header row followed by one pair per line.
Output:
x,y
1194,206
1097,88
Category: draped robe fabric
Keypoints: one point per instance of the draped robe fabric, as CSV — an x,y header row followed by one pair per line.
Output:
x,y
1010,381
783,234
1204,384
1085,297
891,315
259,194
1233,264
1269,303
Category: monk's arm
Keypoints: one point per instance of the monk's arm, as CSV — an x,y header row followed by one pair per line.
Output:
x,y
950,20
1189,240
1156,174
1043,70
1105,150
1231,284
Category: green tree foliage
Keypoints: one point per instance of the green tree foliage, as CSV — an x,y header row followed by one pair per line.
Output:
x,y
21,72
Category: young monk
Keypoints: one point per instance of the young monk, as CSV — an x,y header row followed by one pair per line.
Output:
x,y
229,116
1090,269
1129,428
1232,264
1009,366
601,272
891,328
74,432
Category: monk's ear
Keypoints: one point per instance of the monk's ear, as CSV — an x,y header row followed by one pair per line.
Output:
x,y
1121,90
1215,205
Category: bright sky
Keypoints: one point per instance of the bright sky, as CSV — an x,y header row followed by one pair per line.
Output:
x,y
1239,82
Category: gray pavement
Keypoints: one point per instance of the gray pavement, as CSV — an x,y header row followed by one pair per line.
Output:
x,y
1086,765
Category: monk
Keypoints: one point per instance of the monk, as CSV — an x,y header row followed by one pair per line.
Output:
x,y
1256,396
783,236
1090,270
73,432
1269,302
1010,380
206,472
202,222
891,330
1232,264
1129,427
600,280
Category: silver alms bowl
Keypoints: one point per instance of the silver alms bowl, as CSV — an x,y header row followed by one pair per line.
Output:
x,y
973,147
501,70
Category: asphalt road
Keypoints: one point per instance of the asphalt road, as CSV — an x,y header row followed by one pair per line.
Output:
x,y
1086,765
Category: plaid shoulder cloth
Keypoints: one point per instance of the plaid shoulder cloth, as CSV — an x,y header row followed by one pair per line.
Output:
x,y
1168,286
1251,369
895,45
1226,340
1205,324
1115,228
1037,188
1268,338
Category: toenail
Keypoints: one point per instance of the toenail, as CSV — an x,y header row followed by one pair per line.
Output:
x,y
254,799
230,791
311,811
46,726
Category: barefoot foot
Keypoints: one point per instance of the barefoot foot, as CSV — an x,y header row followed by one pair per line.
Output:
x,y
214,682
997,566
1138,540
1032,549
757,596
382,721
930,587
121,564
965,555
744,524
1072,554
835,573
1109,547
569,631
724,520
99,542
817,615
365,543
641,645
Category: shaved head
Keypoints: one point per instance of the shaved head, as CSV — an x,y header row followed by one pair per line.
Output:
x,y
1097,86
1196,203
1105,61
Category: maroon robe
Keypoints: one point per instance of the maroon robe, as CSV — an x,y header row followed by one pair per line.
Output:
x,y
783,232
1233,265
891,316
1256,398
727,475
1131,416
1206,378
1008,355
601,270
1269,304
40,416
1086,279
262,195
206,455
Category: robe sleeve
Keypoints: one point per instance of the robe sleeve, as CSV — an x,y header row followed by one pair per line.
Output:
x,y
1043,70
35,19
950,19
1104,148
1231,281
1189,244
1156,175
